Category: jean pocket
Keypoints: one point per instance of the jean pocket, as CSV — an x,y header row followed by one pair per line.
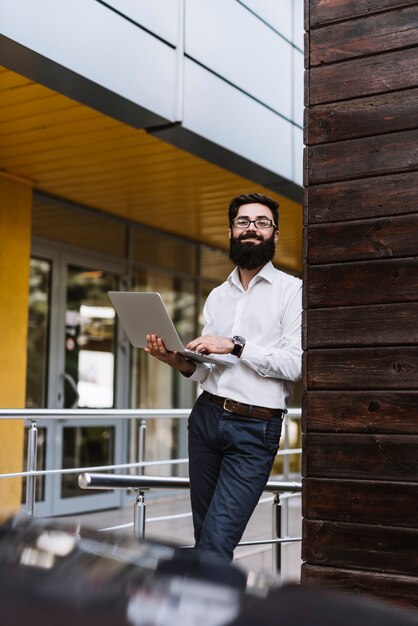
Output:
x,y
272,432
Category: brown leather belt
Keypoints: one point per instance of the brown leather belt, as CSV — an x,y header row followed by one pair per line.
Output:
x,y
248,410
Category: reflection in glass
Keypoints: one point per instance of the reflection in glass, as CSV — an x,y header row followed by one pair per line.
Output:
x,y
38,331
154,384
160,249
215,264
85,446
89,339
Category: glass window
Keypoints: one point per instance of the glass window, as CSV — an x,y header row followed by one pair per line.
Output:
x,y
89,339
38,332
163,250
156,385
215,264
85,446
78,227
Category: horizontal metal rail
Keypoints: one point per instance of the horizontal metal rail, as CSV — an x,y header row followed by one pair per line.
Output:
x,y
96,468
52,414
89,480
140,484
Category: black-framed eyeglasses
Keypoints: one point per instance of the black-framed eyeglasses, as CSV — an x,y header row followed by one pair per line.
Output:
x,y
262,223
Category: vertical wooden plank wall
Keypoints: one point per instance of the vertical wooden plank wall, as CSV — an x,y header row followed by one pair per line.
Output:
x,y
360,413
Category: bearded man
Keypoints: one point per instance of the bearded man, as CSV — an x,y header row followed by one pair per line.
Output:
x,y
235,425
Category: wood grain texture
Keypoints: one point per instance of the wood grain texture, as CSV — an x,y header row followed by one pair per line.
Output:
x,y
395,590
363,282
394,194
364,157
360,412
325,11
365,239
363,368
361,117
359,456
364,546
361,501
360,330
378,325
381,73
366,35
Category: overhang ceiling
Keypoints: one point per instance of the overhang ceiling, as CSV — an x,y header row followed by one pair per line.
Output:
x,y
73,152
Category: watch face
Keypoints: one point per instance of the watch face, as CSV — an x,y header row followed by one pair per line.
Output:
x,y
239,343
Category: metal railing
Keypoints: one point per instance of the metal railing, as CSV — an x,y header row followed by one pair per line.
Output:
x,y
90,480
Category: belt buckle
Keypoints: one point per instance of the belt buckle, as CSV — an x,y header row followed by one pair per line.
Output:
x,y
224,405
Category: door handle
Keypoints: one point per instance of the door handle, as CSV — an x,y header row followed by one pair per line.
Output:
x,y
70,380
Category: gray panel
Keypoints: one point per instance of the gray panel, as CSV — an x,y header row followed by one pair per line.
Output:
x,y
158,17
225,37
233,120
278,13
90,40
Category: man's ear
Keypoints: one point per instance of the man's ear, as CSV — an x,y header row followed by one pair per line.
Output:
x,y
276,236
229,233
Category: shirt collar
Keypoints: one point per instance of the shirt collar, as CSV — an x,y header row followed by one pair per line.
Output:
x,y
266,273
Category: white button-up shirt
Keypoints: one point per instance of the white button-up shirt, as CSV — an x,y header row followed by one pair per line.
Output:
x,y
268,316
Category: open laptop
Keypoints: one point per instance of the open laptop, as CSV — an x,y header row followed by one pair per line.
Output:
x,y
143,313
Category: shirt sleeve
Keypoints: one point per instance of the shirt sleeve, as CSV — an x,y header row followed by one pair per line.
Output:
x,y
285,361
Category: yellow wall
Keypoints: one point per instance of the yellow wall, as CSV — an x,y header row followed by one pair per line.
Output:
x,y
15,236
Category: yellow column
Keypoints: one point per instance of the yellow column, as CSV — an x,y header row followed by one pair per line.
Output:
x,y
15,237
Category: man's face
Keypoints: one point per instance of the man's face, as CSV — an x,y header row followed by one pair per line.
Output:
x,y
252,247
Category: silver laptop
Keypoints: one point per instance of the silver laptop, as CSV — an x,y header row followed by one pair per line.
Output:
x,y
143,313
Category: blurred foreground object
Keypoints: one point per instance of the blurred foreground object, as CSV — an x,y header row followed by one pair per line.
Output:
x,y
57,575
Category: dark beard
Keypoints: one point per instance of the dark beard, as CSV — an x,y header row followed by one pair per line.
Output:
x,y
250,256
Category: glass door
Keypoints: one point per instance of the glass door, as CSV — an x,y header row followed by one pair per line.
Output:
x,y
76,359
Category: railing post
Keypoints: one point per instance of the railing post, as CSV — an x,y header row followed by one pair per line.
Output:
x,y
277,533
31,467
141,445
139,515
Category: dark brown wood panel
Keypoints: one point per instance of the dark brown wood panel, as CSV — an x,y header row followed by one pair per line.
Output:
x,y
364,282
387,549
381,73
386,324
365,198
365,239
396,590
359,158
363,368
361,501
362,36
361,412
360,323
325,11
377,457
361,117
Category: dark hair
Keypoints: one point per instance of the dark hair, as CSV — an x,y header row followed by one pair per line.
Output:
x,y
251,198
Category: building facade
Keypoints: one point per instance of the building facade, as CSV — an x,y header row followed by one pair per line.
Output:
x,y
126,128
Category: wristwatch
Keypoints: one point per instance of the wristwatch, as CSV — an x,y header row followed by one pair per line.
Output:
x,y
239,343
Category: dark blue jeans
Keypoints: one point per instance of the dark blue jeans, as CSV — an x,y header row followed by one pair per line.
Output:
x,y
230,459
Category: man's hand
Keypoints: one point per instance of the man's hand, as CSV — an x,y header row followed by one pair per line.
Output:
x,y
211,344
155,347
